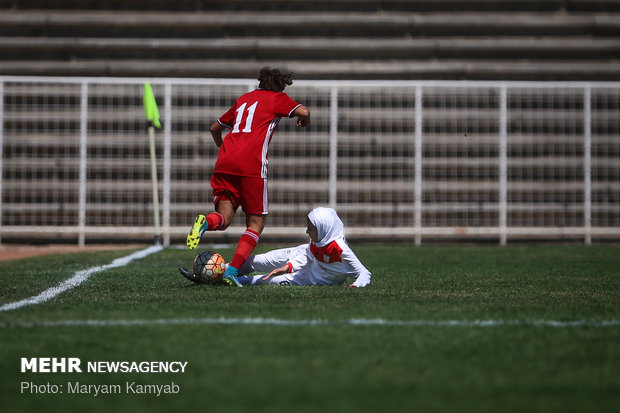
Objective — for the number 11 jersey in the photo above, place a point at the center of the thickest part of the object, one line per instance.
(252, 121)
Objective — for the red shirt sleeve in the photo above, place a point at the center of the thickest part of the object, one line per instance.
(283, 105)
(228, 118)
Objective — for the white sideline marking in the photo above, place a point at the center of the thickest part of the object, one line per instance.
(78, 278)
(317, 322)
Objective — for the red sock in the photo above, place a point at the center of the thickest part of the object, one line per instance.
(215, 220)
(246, 245)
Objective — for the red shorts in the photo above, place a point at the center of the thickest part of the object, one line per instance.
(246, 192)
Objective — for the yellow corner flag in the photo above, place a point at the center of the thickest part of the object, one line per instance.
(150, 106)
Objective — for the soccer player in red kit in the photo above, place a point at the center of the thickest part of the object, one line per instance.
(240, 176)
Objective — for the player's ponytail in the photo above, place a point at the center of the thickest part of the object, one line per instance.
(274, 80)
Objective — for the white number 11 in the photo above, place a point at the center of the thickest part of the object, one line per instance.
(248, 121)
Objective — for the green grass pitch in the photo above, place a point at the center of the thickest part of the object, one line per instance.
(440, 329)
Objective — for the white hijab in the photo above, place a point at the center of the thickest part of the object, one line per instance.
(328, 224)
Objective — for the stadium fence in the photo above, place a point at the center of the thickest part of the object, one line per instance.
(407, 160)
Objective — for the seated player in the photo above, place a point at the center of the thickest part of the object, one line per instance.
(325, 260)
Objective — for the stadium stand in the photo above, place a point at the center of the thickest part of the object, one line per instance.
(447, 159)
(322, 39)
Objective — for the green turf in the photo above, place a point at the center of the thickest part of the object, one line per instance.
(332, 366)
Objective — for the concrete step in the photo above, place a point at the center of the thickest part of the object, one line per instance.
(324, 69)
(326, 5)
(282, 24)
(318, 48)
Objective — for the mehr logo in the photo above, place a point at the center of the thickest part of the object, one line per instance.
(72, 365)
(51, 365)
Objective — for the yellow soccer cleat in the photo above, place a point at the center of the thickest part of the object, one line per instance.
(231, 280)
(193, 238)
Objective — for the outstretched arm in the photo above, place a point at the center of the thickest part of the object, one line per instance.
(286, 268)
(302, 114)
(363, 275)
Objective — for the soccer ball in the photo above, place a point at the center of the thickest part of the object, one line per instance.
(209, 267)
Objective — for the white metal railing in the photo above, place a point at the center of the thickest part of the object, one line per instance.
(397, 159)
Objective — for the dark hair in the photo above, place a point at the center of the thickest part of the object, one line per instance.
(274, 80)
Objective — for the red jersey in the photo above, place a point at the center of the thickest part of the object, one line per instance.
(252, 120)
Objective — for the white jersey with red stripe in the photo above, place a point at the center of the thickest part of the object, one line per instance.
(329, 265)
(328, 261)
(308, 269)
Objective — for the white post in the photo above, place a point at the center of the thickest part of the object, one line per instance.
(587, 164)
(1, 149)
(417, 185)
(333, 147)
(167, 160)
(83, 164)
(503, 163)
(155, 185)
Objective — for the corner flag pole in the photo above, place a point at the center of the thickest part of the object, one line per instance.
(152, 117)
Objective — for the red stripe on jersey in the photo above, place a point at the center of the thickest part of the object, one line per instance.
(327, 254)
